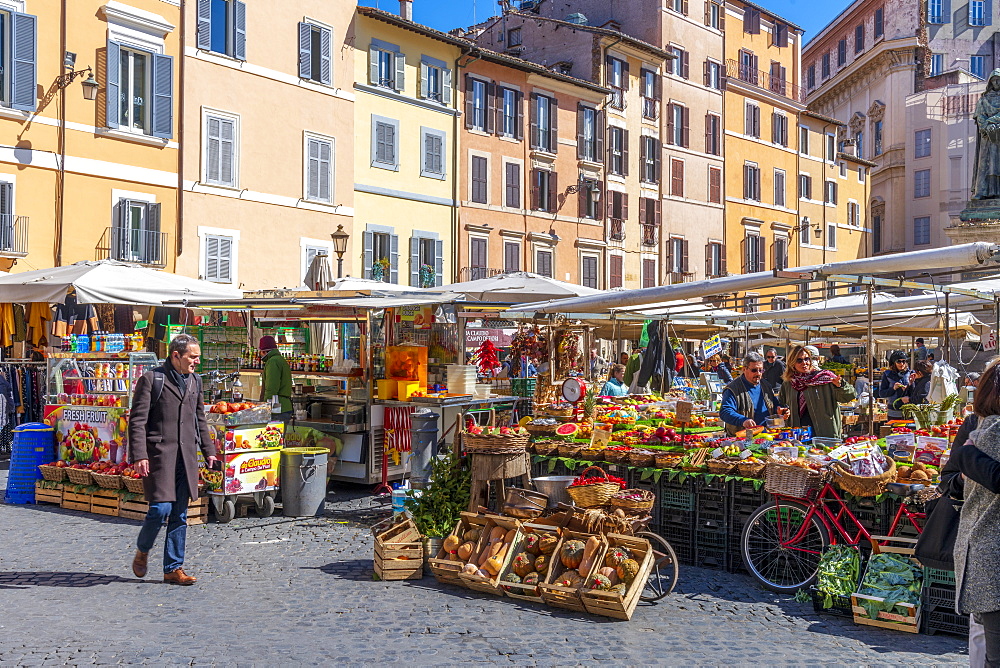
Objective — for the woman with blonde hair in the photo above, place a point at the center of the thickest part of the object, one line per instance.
(814, 395)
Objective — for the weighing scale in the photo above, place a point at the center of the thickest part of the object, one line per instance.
(574, 390)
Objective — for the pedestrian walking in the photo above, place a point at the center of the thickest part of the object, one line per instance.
(166, 429)
(774, 368)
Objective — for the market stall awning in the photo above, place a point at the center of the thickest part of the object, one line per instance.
(349, 286)
(519, 287)
(109, 282)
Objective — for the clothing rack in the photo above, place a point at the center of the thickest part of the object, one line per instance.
(22, 385)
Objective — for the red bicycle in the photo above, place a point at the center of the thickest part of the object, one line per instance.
(783, 540)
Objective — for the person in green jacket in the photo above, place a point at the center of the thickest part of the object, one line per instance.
(814, 395)
(276, 379)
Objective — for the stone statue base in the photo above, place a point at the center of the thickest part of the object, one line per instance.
(981, 211)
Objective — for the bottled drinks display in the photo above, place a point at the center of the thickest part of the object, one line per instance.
(254, 359)
(103, 342)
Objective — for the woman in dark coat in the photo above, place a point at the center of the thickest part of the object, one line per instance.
(920, 384)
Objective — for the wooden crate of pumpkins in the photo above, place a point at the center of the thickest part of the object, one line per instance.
(614, 588)
(458, 548)
(530, 565)
(493, 553)
(399, 552)
(573, 564)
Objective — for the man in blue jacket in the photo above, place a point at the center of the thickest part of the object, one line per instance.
(749, 399)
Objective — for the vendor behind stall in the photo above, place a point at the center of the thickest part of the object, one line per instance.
(814, 394)
(615, 386)
(276, 378)
(918, 387)
(749, 399)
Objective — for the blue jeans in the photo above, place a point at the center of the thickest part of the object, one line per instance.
(175, 514)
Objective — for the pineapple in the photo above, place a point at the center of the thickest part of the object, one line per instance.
(590, 402)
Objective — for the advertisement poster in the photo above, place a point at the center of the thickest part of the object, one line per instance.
(251, 437)
(419, 317)
(89, 433)
(245, 473)
(712, 346)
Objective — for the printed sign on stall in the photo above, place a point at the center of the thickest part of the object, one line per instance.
(88, 434)
(253, 437)
(712, 345)
(246, 472)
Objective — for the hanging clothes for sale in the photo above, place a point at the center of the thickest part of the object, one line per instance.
(38, 315)
(74, 318)
(6, 325)
(652, 359)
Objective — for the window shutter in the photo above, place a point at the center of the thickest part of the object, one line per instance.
(686, 128)
(113, 87)
(225, 259)
(625, 79)
(373, 66)
(204, 24)
(756, 121)
(446, 87)
(227, 153)
(326, 171)
(715, 185)
(670, 123)
(553, 192)
(643, 146)
(684, 263)
(535, 192)
(469, 102)
(415, 261)
(608, 70)
(643, 206)
(657, 159)
(423, 80)
(624, 134)
(438, 263)
(684, 7)
(668, 260)
(394, 259)
(599, 136)
(239, 30)
(761, 254)
(211, 256)
(23, 56)
(580, 138)
(325, 56)
(677, 178)
(399, 83)
(163, 96)
(624, 197)
(685, 61)
(704, 67)
(615, 278)
(305, 50)
(533, 116)
(657, 86)
(988, 12)
(312, 170)
(368, 242)
(489, 123)
(747, 187)
(744, 243)
(553, 125)
(519, 118)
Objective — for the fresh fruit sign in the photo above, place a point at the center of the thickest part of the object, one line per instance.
(86, 434)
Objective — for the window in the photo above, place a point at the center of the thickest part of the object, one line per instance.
(512, 185)
(386, 66)
(679, 65)
(543, 262)
(319, 169)
(780, 251)
(432, 159)
(221, 146)
(977, 66)
(140, 90)
(715, 259)
(477, 257)
(476, 116)
(922, 143)
(511, 256)
(934, 12)
(778, 78)
(648, 272)
(713, 134)
(859, 39)
(922, 183)
(877, 137)
(650, 94)
(135, 236)
(830, 195)
(713, 15)
(831, 235)
(977, 12)
(922, 230)
(616, 78)
(879, 25)
(677, 255)
(222, 27)
(859, 143)
(650, 159)
(751, 121)
(617, 213)
(616, 271)
(715, 185)
(310, 253)
(543, 190)
(713, 75)
(779, 187)
(381, 249)
(678, 132)
(511, 115)
(805, 186)
(937, 64)
(618, 151)
(803, 228)
(831, 148)
(751, 20)
(315, 53)
(589, 144)
(753, 253)
(861, 175)
(811, 77)
(514, 37)
(751, 182)
(804, 141)
(854, 214)
(876, 234)
(649, 219)
(842, 52)
(590, 197)
(435, 80)
(843, 169)
(385, 143)
(480, 179)
(426, 261)
(217, 252)
(748, 67)
(679, 6)
(779, 36)
(676, 177)
(779, 129)
(543, 123)
(588, 271)
(18, 76)
(825, 65)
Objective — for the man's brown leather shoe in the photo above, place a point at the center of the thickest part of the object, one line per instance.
(179, 577)
(139, 563)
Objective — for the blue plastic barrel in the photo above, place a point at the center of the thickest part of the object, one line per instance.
(34, 444)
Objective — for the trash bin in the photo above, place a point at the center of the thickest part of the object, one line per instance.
(303, 481)
(423, 437)
(33, 445)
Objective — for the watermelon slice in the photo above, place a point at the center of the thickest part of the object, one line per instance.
(567, 429)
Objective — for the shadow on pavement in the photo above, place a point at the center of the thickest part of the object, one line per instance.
(25, 579)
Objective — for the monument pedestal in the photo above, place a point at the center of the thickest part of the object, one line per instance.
(978, 221)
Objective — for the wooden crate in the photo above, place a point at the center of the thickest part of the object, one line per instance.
(910, 622)
(399, 552)
(51, 494)
(75, 501)
(136, 510)
(512, 528)
(105, 502)
(612, 604)
(522, 591)
(569, 598)
(446, 570)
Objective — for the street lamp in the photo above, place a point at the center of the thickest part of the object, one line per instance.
(90, 85)
(340, 247)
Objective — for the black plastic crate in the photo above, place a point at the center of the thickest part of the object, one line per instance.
(736, 564)
(933, 576)
(938, 596)
(651, 487)
(712, 540)
(942, 620)
(745, 489)
(706, 558)
(841, 607)
(676, 495)
(715, 484)
(680, 519)
(713, 521)
(712, 503)
(682, 540)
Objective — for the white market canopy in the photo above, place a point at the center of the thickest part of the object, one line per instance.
(519, 287)
(108, 282)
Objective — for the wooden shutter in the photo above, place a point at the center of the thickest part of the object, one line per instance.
(519, 116)
(599, 136)
(616, 263)
(498, 110)
(625, 78)
(415, 261)
(686, 128)
(643, 146)
(163, 96)
(533, 117)
(624, 206)
(490, 115)
(535, 192)
(469, 102)
(373, 73)
(657, 158)
(239, 30)
(657, 211)
(113, 85)
(643, 210)
(686, 258)
(399, 81)
(705, 71)
(761, 255)
(581, 154)
(624, 136)
(553, 125)
(511, 256)
(744, 244)
(756, 121)
(684, 7)
(722, 260)
(204, 31)
(513, 185)
(781, 35)
(670, 123)
(608, 70)
(685, 62)
(23, 56)
(394, 258)
(446, 87)
(715, 185)
(553, 192)
(676, 178)
(305, 50)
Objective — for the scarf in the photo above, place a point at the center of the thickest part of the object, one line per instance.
(177, 378)
(801, 381)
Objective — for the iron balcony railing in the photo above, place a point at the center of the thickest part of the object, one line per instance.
(616, 229)
(681, 277)
(764, 80)
(617, 98)
(476, 273)
(650, 234)
(146, 247)
(13, 235)
(650, 108)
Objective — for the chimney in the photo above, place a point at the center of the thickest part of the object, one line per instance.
(406, 9)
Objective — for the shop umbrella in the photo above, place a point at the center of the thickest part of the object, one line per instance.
(319, 277)
(520, 287)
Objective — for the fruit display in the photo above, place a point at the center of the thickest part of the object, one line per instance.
(514, 430)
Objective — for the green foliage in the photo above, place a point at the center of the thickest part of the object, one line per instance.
(839, 568)
(892, 578)
(436, 511)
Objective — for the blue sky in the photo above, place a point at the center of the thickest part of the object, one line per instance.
(447, 14)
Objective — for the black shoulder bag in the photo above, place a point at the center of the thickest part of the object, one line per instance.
(936, 544)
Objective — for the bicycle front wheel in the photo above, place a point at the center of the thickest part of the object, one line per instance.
(781, 548)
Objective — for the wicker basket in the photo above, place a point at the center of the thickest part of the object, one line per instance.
(597, 494)
(633, 505)
(667, 460)
(107, 481)
(494, 444)
(616, 456)
(751, 469)
(79, 476)
(541, 429)
(53, 473)
(793, 481)
(569, 449)
(547, 448)
(592, 454)
(721, 466)
(134, 485)
(862, 485)
(641, 458)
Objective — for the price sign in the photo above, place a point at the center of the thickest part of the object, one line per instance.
(682, 413)
(745, 454)
(717, 453)
(600, 438)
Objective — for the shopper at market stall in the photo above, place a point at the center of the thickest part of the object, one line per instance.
(774, 368)
(920, 352)
(276, 378)
(717, 366)
(749, 399)
(835, 355)
(919, 384)
(166, 429)
(814, 395)
(895, 380)
(615, 385)
(679, 362)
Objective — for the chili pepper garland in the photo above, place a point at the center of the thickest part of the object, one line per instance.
(486, 358)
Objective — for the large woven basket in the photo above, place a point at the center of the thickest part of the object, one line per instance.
(79, 476)
(598, 494)
(107, 481)
(541, 429)
(616, 456)
(53, 473)
(546, 448)
(592, 454)
(569, 449)
(494, 444)
(750, 469)
(633, 505)
(721, 466)
(667, 460)
(641, 458)
(134, 485)
(862, 485)
(793, 481)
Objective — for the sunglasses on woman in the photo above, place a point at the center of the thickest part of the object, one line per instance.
(803, 360)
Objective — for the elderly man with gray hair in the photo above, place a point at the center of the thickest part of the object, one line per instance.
(749, 399)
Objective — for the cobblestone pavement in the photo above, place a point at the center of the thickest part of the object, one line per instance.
(282, 591)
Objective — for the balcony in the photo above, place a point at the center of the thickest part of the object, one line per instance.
(763, 80)
(650, 108)
(145, 247)
(617, 98)
(680, 277)
(650, 234)
(13, 235)
(616, 229)
(476, 273)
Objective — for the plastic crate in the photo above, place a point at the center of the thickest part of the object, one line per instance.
(710, 520)
(745, 489)
(939, 620)
(711, 540)
(678, 496)
(682, 540)
(706, 558)
(933, 576)
(938, 596)
(522, 387)
(841, 604)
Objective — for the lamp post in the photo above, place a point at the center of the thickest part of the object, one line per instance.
(61, 83)
(340, 247)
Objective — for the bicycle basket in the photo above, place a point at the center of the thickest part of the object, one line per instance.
(862, 485)
(794, 481)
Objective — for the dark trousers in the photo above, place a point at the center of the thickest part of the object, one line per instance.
(991, 625)
(175, 514)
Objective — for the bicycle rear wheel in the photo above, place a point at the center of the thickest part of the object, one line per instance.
(779, 564)
(666, 568)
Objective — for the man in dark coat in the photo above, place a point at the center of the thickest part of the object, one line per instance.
(166, 428)
(774, 368)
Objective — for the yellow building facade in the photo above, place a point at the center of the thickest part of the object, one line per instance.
(85, 179)
(406, 127)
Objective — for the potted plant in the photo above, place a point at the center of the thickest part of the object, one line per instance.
(435, 510)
